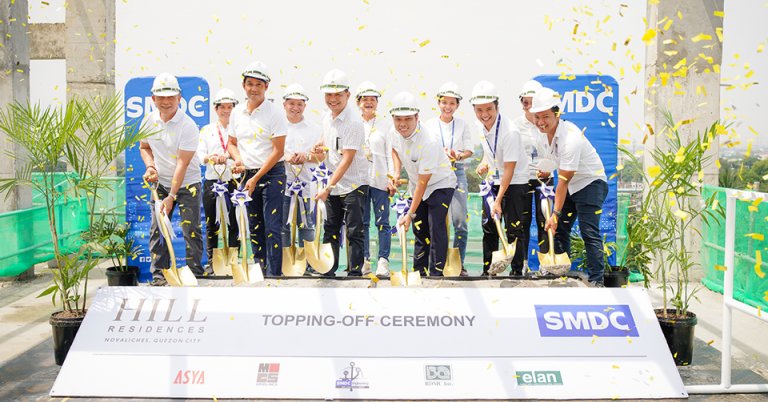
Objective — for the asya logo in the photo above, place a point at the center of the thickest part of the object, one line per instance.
(585, 320)
(268, 373)
(438, 375)
(532, 378)
(352, 378)
(191, 377)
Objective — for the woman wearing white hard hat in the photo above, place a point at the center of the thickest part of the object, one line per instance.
(256, 143)
(455, 136)
(302, 135)
(582, 185)
(347, 188)
(170, 156)
(378, 152)
(530, 135)
(504, 156)
(212, 152)
(431, 184)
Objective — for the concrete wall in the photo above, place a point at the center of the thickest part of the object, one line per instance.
(90, 56)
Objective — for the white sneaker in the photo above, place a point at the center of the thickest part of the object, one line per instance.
(382, 268)
(366, 268)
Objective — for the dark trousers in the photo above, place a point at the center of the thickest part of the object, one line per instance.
(211, 228)
(533, 196)
(512, 207)
(188, 203)
(583, 204)
(347, 208)
(265, 218)
(431, 233)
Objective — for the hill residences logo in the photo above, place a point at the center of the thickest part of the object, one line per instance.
(438, 376)
(268, 374)
(352, 378)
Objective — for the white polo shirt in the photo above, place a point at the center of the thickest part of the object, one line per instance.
(178, 134)
(346, 131)
(379, 144)
(213, 139)
(455, 135)
(508, 148)
(571, 151)
(422, 153)
(530, 134)
(301, 137)
(255, 131)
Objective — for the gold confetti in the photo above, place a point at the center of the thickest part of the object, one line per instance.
(721, 268)
(425, 43)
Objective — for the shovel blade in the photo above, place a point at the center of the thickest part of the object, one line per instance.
(324, 262)
(413, 279)
(171, 277)
(186, 277)
(251, 274)
(546, 259)
(221, 262)
(396, 278)
(453, 263)
(294, 264)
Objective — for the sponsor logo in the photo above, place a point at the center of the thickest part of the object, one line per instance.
(538, 378)
(575, 102)
(585, 320)
(438, 375)
(268, 373)
(352, 378)
(190, 377)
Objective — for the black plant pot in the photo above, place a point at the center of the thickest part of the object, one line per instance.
(129, 277)
(64, 331)
(618, 277)
(679, 335)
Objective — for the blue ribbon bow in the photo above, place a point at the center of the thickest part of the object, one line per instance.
(486, 191)
(401, 206)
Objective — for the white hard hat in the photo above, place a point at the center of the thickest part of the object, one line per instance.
(335, 81)
(529, 88)
(544, 99)
(295, 91)
(257, 70)
(450, 89)
(404, 104)
(225, 96)
(484, 92)
(367, 88)
(165, 84)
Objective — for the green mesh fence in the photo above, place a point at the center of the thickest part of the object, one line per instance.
(748, 287)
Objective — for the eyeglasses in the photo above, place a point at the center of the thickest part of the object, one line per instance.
(526, 103)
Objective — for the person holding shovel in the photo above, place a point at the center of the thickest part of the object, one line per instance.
(582, 185)
(431, 184)
(170, 156)
(212, 152)
(505, 157)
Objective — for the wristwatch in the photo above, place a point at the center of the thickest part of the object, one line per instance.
(413, 216)
(557, 213)
(173, 196)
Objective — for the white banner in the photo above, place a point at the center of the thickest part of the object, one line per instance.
(370, 344)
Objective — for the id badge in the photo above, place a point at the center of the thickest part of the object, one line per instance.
(496, 175)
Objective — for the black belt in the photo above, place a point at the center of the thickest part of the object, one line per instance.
(254, 171)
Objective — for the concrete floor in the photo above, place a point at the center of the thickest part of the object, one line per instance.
(26, 353)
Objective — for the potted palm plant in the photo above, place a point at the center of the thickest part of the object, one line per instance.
(121, 250)
(614, 276)
(672, 202)
(83, 134)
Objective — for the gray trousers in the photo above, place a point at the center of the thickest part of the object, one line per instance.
(188, 202)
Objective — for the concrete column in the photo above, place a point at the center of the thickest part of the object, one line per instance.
(697, 18)
(14, 86)
(90, 47)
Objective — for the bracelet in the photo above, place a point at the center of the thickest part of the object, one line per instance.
(150, 166)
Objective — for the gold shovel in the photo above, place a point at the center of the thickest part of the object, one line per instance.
(319, 255)
(453, 261)
(500, 259)
(224, 257)
(294, 258)
(175, 276)
(245, 272)
(557, 264)
(404, 277)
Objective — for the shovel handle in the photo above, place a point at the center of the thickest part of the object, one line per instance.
(502, 235)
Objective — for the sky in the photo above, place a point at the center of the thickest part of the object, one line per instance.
(411, 46)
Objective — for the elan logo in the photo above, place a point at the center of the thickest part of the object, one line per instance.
(531, 378)
(585, 321)
(190, 377)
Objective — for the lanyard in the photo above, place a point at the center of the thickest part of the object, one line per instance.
(221, 138)
(440, 124)
(496, 141)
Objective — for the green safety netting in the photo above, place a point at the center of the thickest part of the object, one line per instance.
(748, 287)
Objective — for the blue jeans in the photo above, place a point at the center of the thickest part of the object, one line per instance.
(305, 232)
(380, 200)
(583, 204)
(459, 212)
(265, 215)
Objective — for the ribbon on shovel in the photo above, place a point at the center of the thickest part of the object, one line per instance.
(486, 191)
(296, 192)
(220, 189)
(160, 215)
(321, 175)
(401, 206)
(240, 199)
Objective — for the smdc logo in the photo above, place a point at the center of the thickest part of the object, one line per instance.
(585, 321)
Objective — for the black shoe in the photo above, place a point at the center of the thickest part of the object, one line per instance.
(158, 281)
(463, 272)
(597, 284)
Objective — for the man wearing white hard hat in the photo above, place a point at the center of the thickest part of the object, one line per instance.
(347, 190)
(256, 143)
(530, 135)
(582, 185)
(455, 136)
(378, 152)
(431, 184)
(302, 135)
(504, 156)
(212, 152)
(171, 158)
